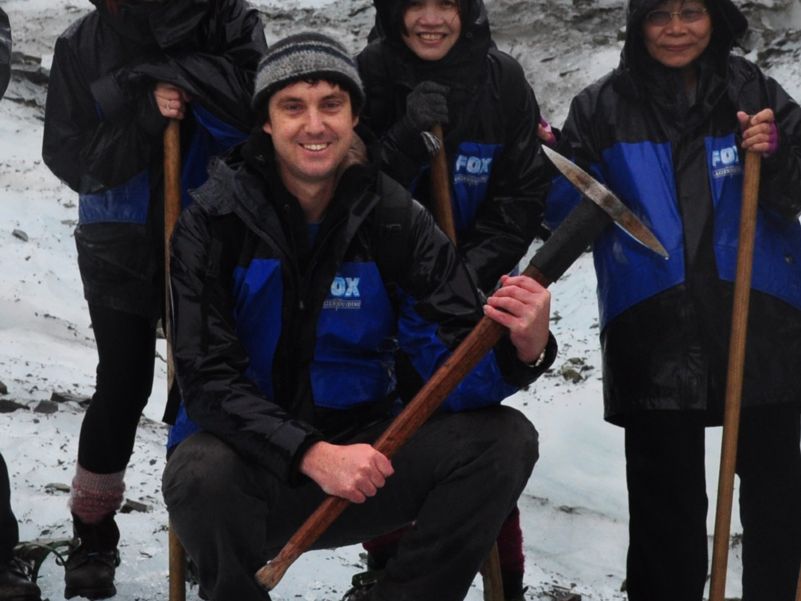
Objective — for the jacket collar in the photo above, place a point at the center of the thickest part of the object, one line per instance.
(247, 183)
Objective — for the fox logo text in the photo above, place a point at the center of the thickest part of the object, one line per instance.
(473, 165)
(725, 161)
(344, 294)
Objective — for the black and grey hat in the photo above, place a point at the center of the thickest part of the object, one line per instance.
(306, 56)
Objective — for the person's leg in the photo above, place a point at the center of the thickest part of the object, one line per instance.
(510, 553)
(512, 559)
(464, 472)
(458, 477)
(126, 352)
(9, 531)
(15, 575)
(667, 556)
(769, 466)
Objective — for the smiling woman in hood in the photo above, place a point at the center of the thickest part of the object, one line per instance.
(434, 62)
(668, 131)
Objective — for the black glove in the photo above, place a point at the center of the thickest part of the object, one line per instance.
(426, 105)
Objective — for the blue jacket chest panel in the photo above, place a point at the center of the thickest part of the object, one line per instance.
(472, 168)
(482, 387)
(641, 174)
(354, 357)
(130, 202)
(777, 248)
(258, 292)
(126, 203)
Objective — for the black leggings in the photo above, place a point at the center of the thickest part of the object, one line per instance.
(126, 356)
(667, 558)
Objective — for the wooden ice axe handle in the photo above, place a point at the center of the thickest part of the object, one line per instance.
(734, 381)
(441, 189)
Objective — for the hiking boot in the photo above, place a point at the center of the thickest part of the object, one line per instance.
(362, 583)
(89, 569)
(16, 582)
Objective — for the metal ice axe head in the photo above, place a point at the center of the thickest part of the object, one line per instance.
(585, 223)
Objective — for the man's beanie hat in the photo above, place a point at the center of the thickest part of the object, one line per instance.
(306, 56)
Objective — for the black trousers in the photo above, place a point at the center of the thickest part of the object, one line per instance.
(126, 345)
(9, 531)
(457, 478)
(667, 557)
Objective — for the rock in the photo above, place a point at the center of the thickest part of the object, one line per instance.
(46, 407)
(56, 487)
(9, 406)
(20, 235)
(68, 397)
(130, 506)
(3, 388)
(570, 374)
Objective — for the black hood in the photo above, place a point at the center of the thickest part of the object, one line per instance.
(729, 27)
(465, 63)
(389, 16)
(166, 24)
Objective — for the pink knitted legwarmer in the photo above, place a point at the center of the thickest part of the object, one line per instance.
(94, 496)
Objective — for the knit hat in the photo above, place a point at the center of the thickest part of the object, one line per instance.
(306, 56)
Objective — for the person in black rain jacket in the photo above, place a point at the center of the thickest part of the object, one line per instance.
(296, 275)
(118, 75)
(15, 574)
(668, 131)
(434, 61)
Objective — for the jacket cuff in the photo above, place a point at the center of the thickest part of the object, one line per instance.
(408, 140)
(294, 475)
(149, 117)
(520, 374)
(111, 99)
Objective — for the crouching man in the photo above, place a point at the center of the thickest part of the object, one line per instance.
(297, 273)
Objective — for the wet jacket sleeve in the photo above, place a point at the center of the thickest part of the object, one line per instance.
(84, 147)
(220, 75)
(780, 187)
(211, 362)
(5, 52)
(102, 130)
(402, 151)
(509, 218)
(439, 306)
(578, 142)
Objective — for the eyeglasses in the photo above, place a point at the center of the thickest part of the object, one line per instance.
(661, 18)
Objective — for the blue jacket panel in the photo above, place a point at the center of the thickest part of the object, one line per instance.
(641, 174)
(130, 202)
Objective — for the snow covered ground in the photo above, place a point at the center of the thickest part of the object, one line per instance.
(574, 507)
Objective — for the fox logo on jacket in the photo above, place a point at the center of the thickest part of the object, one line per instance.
(344, 294)
(726, 161)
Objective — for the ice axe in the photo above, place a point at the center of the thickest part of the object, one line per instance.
(563, 247)
(172, 208)
(734, 381)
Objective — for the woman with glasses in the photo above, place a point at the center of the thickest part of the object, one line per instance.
(668, 131)
(118, 75)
